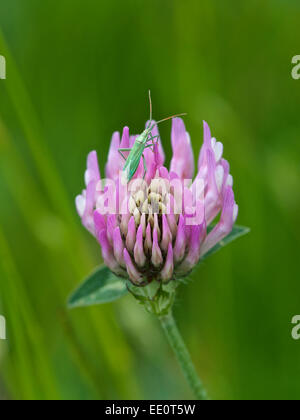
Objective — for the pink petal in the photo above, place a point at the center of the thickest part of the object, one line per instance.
(196, 214)
(183, 158)
(156, 258)
(131, 235)
(213, 196)
(139, 254)
(164, 173)
(80, 202)
(166, 234)
(172, 224)
(118, 246)
(159, 154)
(180, 244)
(124, 223)
(167, 272)
(92, 173)
(111, 224)
(205, 147)
(143, 224)
(99, 221)
(197, 235)
(133, 273)
(228, 180)
(88, 216)
(107, 252)
(125, 141)
(125, 144)
(217, 149)
(156, 226)
(175, 203)
(219, 176)
(114, 163)
(196, 240)
(148, 240)
(225, 225)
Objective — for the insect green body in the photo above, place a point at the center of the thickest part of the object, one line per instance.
(137, 152)
(143, 141)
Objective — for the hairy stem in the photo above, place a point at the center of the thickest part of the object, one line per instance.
(169, 325)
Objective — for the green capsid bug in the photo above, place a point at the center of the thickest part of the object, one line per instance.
(143, 141)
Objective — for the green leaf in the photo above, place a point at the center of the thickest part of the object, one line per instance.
(236, 233)
(102, 286)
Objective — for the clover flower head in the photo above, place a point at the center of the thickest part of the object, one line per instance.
(157, 227)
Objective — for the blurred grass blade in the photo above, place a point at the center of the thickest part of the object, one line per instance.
(102, 286)
(42, 157)
(26, 338)
(114, 346)
(33, 134)
(236, 233)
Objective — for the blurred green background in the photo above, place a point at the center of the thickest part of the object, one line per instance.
(76, 72)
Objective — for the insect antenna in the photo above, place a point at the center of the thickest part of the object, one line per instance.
(168, 118)
(150, 102)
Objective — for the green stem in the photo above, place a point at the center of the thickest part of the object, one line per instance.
(169, 325)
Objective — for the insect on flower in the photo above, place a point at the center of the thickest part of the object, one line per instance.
(144, 141)
(152, 246)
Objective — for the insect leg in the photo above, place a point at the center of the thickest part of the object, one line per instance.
(124, 150)
(152, 145)
(145, 166)
(152, 138)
